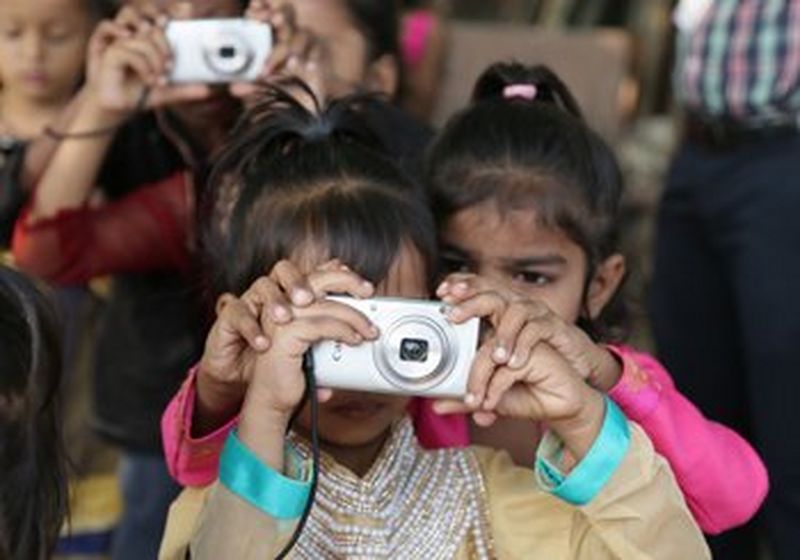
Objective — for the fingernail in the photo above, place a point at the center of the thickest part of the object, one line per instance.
(261, 342)
(302, 297)
(442, 289)
(373, 331)
(515, 361)
(357, 338)
(470, 399)
(455, 313)
(500, 354)
(461, 287)
(367, 285)
(280, 312)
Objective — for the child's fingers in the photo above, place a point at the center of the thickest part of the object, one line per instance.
(156, 62)
(266, 294)
(480, 374)
(159, 40)
(483, 418)
(451, 406)
(133, 60)
(314, 329)
(536, 331)
(519, 314)
(343, 313)
(237, 320)
(340, 281)
(456, 285)
(489, 305)
(284, 27)
(324, 395)
(503, 379)
(181, 10)
(293, 282)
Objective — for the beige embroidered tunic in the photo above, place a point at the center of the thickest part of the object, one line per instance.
(449, 504)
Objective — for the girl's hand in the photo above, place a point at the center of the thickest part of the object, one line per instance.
(545, 387)
(131, 58)
(530, 321)
(296, 52)
(240, 333)
(277, 383)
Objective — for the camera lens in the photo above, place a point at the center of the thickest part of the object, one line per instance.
(413, 350)
(227, 52)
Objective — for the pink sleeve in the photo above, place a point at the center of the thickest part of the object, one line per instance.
(721, 476)
(435, 431)
(194, 461)
(191, 461)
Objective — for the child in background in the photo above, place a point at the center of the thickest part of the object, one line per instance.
(307, 187)
(42, 52)
(488, 195)
(33, 488)
(528, 198)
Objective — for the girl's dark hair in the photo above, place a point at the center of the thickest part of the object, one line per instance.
(33, 495)
(294, 180)
(379, 21)
(538, 153)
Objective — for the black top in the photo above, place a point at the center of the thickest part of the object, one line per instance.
(12, 196)
(151, 330)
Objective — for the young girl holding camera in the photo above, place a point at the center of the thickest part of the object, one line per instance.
(309, 188)
(533, 209)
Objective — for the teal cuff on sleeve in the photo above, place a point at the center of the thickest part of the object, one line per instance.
(596, 468)
(241, 472)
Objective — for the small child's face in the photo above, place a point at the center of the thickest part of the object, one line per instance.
(514, 248)
(43, 47)
(354, 419)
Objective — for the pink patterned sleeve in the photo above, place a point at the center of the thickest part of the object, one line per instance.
(191, 461)
(721, 476)
(195, 461)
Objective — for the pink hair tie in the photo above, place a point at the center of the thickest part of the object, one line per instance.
(525, 91)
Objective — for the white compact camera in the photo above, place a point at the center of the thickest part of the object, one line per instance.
(419, 352)
(218, 50)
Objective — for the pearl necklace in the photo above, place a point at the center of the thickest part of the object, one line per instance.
(411, 504)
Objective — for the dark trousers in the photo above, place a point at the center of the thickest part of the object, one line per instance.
(726, 310)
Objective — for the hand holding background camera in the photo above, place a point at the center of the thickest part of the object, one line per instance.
(296, 52)
(131, 61)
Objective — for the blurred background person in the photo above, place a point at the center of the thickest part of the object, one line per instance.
(42, 52)
(148, 168)
(725, 318)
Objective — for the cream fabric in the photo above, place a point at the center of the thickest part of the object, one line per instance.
(640, 514)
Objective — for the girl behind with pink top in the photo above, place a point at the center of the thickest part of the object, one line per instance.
(528, 204)
(527, 199)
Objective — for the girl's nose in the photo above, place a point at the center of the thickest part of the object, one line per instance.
(33, 47)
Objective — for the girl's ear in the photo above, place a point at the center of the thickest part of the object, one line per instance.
(605, 283)
(383, 76)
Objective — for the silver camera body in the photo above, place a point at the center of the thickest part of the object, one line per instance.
(419, 352)
(218, 50)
